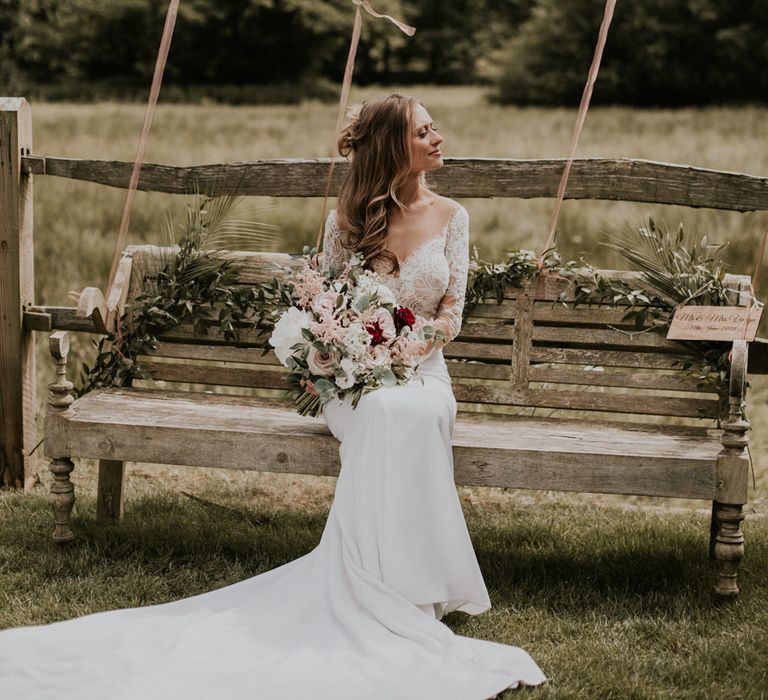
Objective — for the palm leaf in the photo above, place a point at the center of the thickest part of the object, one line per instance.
(676, 265)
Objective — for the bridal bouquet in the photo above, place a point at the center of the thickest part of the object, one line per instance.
(346, 335)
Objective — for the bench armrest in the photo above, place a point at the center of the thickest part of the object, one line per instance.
(60, 389)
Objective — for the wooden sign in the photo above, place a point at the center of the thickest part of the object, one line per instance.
(715, 323)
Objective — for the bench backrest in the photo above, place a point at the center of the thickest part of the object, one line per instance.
(528, 353)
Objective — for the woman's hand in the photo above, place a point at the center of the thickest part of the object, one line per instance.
(441, 325)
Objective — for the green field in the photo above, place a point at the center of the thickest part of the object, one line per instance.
(611, 595)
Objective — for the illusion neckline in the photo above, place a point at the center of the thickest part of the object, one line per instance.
(430, 239)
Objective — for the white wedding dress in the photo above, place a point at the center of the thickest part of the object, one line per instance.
(357, 617)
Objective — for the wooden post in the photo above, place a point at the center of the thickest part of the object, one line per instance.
(17, 358)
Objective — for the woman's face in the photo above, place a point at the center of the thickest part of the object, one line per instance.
(425, 142)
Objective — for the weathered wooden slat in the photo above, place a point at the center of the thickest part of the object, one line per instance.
(491, 309)
(185, 334)
(248, 377)
(485, 352)
(513, 451)
(608, 338)
(62, 318)
(478, 370)
(556, 314)
(593, 178)
(670, 382)
(214, 353)
(210, 375)
(609, 402)
(504, 332)
(605, 358)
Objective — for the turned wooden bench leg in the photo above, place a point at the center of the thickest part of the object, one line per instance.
(62, 495)
(728, 546)
(109, 503)
(61, 498)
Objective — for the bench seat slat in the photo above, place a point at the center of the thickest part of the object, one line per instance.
(248, 433)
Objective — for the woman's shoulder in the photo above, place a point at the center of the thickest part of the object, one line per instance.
(451, 210)
(447, 205)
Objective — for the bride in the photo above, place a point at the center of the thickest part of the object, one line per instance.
(358, 616)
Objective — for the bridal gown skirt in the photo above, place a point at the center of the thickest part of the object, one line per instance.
(355, 618)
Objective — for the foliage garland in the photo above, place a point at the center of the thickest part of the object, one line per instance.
(199, 286)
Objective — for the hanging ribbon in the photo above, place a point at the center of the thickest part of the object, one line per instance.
(583, 108)
(345, 88)
(154, 92)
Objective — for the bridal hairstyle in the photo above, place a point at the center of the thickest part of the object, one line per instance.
(378, 139)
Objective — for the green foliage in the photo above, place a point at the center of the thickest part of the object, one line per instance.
(676, 268)
(244, 42)
(196, 286)
(659, 52)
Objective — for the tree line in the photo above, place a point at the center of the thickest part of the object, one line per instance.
(530, 51)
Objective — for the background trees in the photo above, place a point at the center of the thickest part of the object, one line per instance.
(534, 51)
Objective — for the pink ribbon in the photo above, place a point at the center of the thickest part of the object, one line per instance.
(583, 108)
(154, 92)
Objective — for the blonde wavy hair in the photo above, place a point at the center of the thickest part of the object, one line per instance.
(377, 138)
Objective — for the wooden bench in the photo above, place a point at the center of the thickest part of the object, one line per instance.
(549, 397)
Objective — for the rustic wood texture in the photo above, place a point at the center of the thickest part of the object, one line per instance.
(230, 431)
(495, 346)
(65, 318)
(595, 178)
(610, 402)
(728, 547)
(110, 506)
(62, 493)
(17, 358)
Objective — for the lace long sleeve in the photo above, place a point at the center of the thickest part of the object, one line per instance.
(335, 255)
(451, 306)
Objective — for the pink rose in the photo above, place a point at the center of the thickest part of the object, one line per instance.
(379, 356)
(324, 304)
(321, 363)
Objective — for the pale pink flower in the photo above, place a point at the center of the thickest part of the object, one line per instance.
(386, 323)
(324, 304)
(321, 363)
(378, 356)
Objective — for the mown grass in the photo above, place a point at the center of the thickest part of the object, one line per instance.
(613, 600)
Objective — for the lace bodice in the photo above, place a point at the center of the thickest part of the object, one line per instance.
(433, 278)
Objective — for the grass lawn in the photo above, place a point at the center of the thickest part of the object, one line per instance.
(611, 595)
(613, 602)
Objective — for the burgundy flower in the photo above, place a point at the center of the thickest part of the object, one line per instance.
(404, 317)
(376, 332)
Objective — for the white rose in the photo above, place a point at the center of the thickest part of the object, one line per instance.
(348, 366)
(287, 332)
(346, 381)
(321, 363)
(385, 294)
(366, 284)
